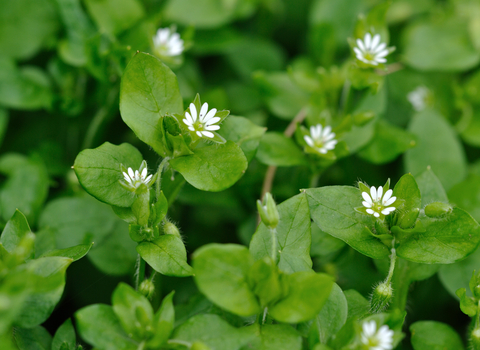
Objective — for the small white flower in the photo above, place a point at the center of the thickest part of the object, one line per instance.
(371, 51)
(321, 139)
(376, 340)
(204, 124)
(378, 203)
(167, 43)
(418, 98)
(135, 179)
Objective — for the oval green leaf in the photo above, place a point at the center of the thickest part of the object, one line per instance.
(212, 168)
(167, 255)
(98, 171)
(332, 209)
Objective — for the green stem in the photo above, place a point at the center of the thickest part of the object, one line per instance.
(140, 272)
(393, 259)
(344, 98)
(273, 232)
(401, 284)
(265, 312)
(161, 167)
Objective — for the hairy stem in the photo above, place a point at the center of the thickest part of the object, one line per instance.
(140, 271)
(401, 284)
(273, 232)
(161, 168)
(393, 259)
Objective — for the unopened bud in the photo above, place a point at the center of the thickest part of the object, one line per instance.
(381, 296)
(147, 288)
(475, 339)
(409, 218)
(437, 209)
(171, 229)
(268, 211)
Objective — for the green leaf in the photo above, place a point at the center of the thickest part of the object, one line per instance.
(465, 195)
(430, 187)
(212, 168)
(441, 45)
(293, 236)
(17, 227)
(278, 150)
(149, 90)
(273, 337)
(467, 304)
(332, 209)
(221, 274)
(332, 316)
(133, 311)
(36, 338)
(406, 189)
(45, 294)
(432, 335)
(26, 27)
(163, 322)
(26, 188)
(98, 171)
(282, 96)
(167, 255)
(264, 277)
(72, 50)
(27, 87)
(387, 144)
(114, 16)
(244, 133)
(3, 123)
(213, 331)
(307, 292)
(65, 335)
(74, 253)
(98, 326)
(458, 275)
(85, 220)
(358, 306)
(444, 240)
(438, 147)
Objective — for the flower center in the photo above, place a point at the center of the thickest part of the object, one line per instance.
(369, 56)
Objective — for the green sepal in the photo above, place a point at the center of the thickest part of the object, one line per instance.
(408, 219)
(467, 304)
(141, 208)
(136, 233)
(381, 228)
(176, 142)
(363, 187)
(159, 209)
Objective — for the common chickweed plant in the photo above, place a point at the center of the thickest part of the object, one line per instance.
(233, 175)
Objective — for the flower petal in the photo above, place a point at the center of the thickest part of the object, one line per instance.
(366, 204)
(379, 48)
(379, 193)
(208, 134)
(193, 112)
(309, 141)
(131, 173)
(203, 112)
(367, 197)
(368, 41)
(370, 211)
(373, 193)
(212, 127)
(375, 41)
(360, 45)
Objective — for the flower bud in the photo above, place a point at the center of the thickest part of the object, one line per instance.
(475, 339)
(409, 218)
(268, 211)
(147, 288)
(437, 209)
(381, 296)
(171, 229)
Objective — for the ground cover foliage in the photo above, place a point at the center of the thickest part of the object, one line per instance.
(230, 174)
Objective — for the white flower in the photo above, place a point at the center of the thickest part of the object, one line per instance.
(321, 140)
(167, 43)
(371, 51)
(376, 340)
(135, 179)
(204, 125)
(418, 98)
(378, 203)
